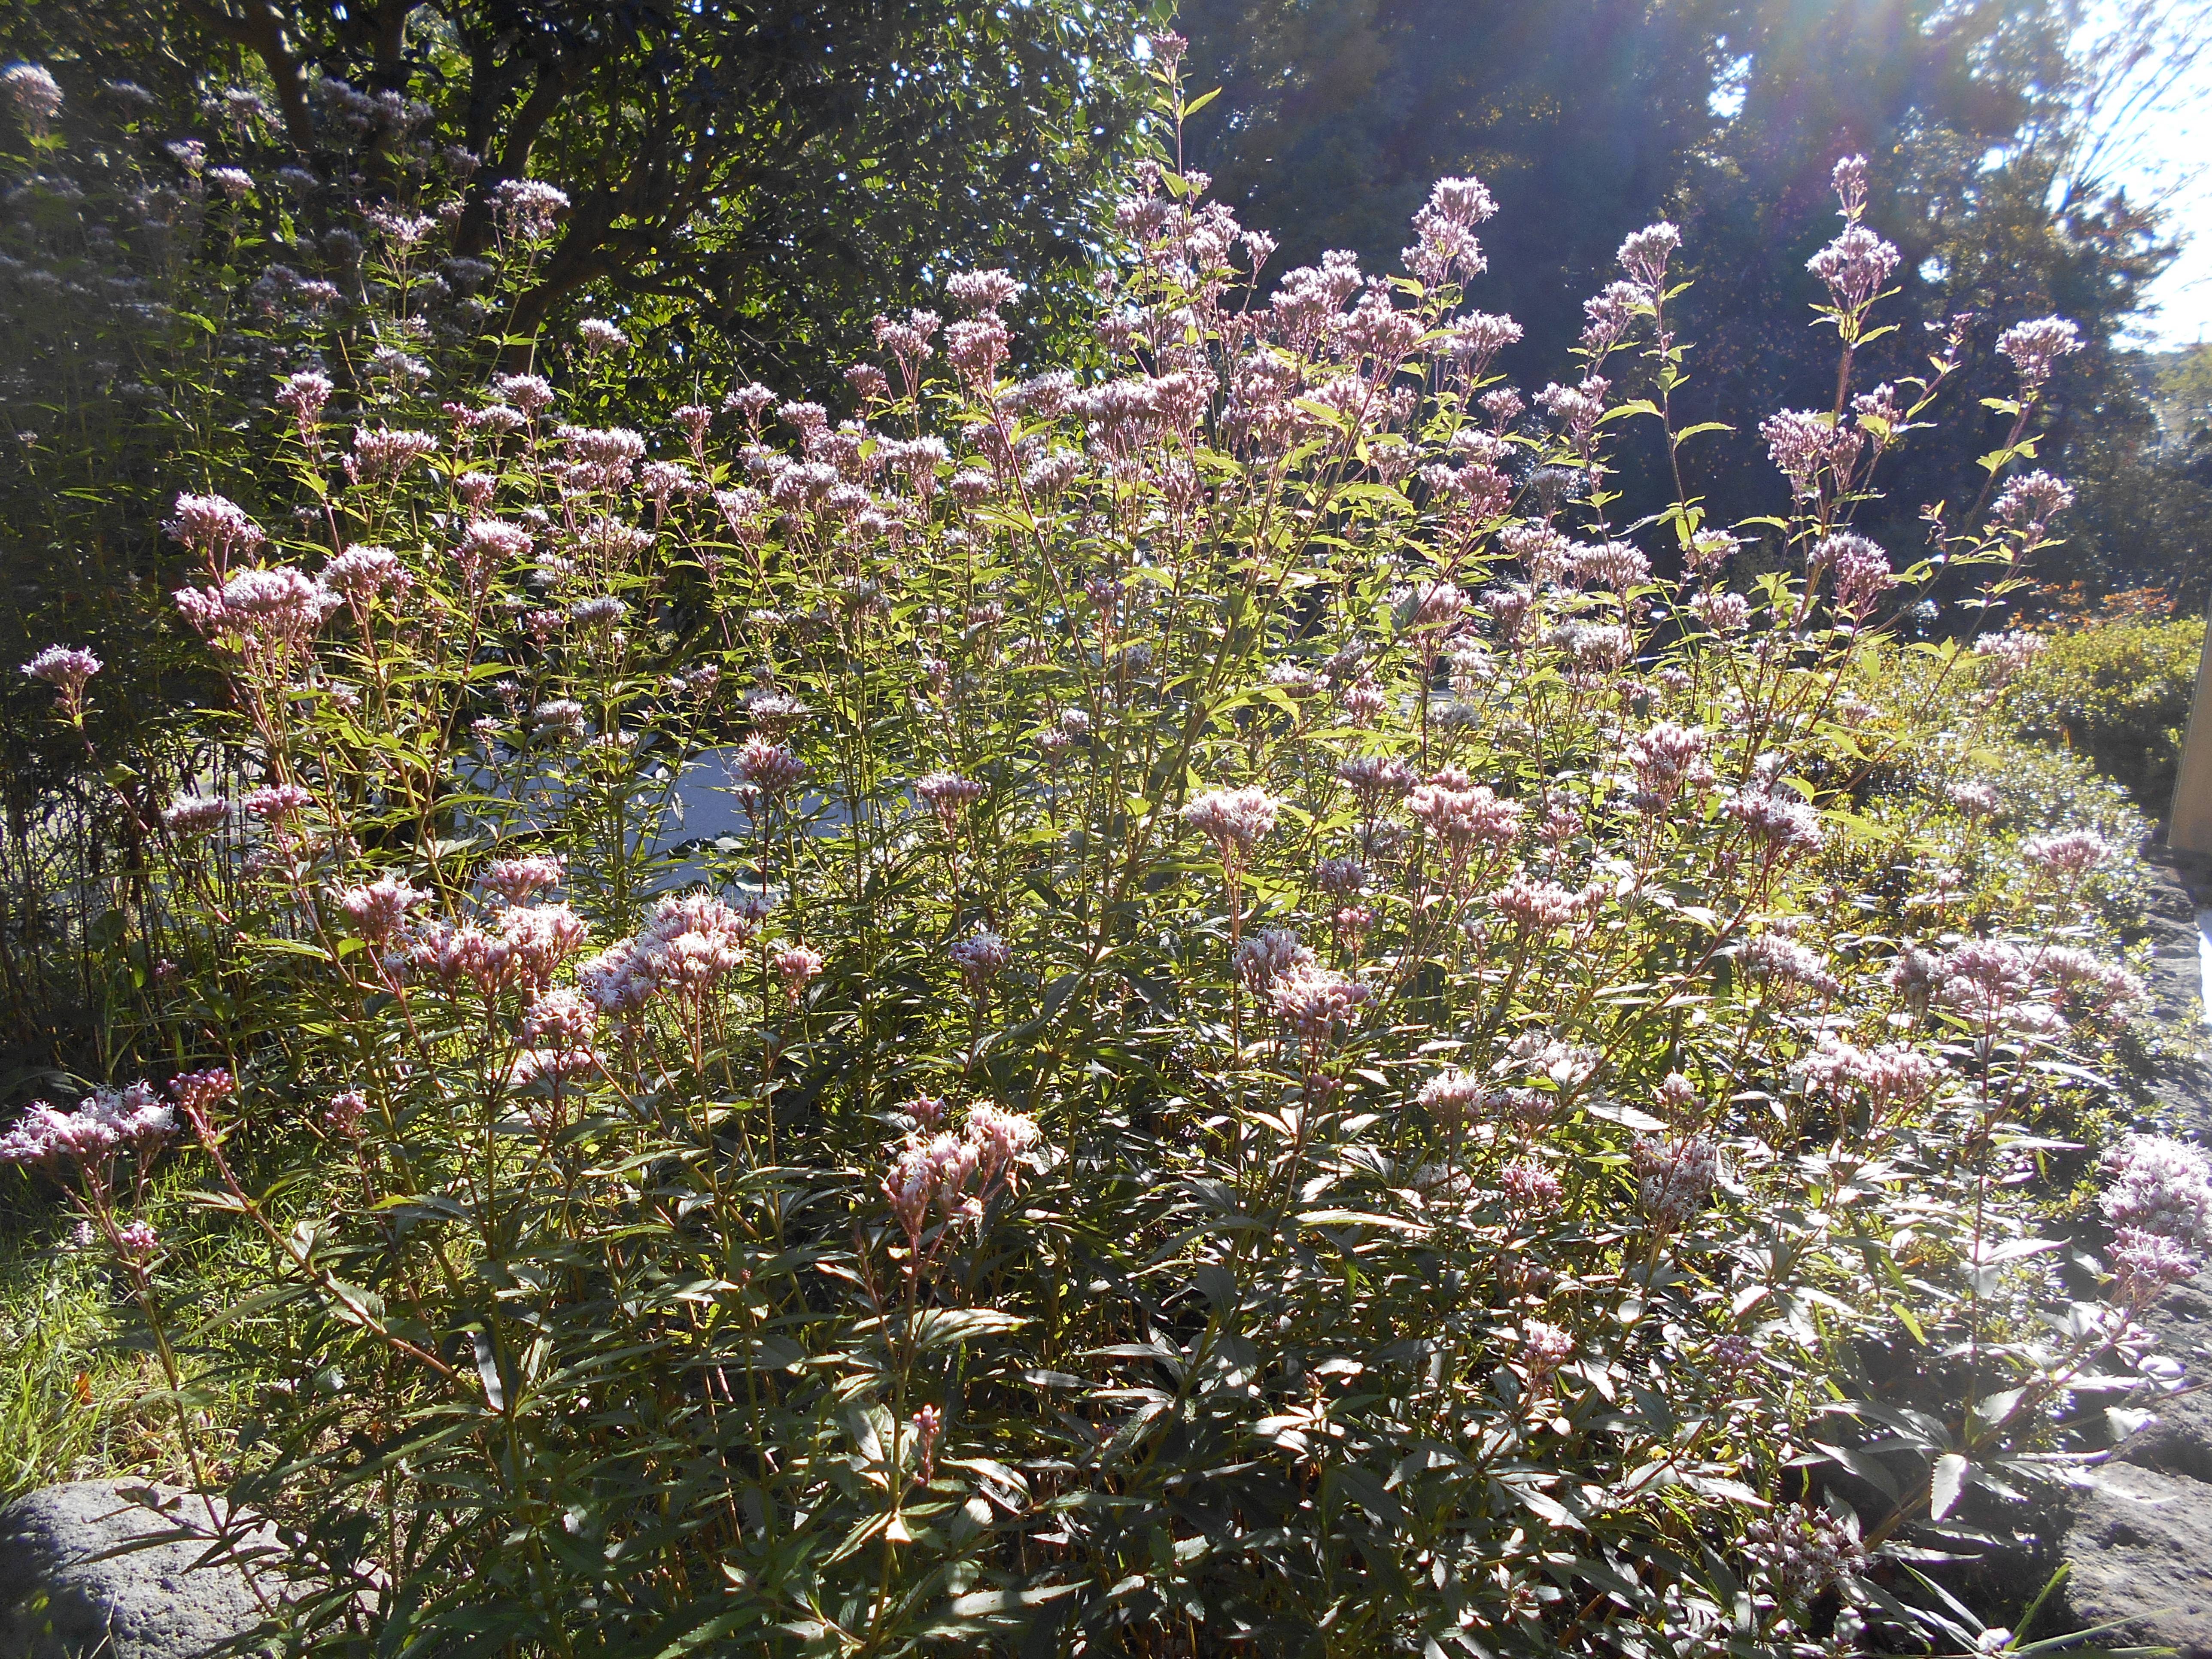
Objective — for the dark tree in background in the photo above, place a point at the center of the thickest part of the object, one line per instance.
(1968, 115)
(1588, 119)
(773, 172)
(1335, 117)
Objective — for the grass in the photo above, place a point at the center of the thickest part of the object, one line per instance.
(80, 1393)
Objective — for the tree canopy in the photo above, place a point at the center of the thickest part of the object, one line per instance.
(774, 172)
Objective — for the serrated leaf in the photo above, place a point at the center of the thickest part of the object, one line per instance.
(1946, 1483)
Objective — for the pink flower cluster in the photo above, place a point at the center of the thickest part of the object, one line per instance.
(64, 668)
(797, 966)
(1804, 445)
(2159, 1205)
(1802, 1550)
(1454, 1096)
(215, 527)
(1891, 1075)
(1855, 266)
(1593, 650)
(105, 1122)
(2084, 978)
(1665, 757)
(1720, 610)
(1444, 248)
(382, 455)
(1544, 1347)
(362, 572)
(2036, 347)
(562, 1024)
(955, 1176)
(518, 880)
(379, 908)
(1267, 956)
(690, 943)
(196, 815)
(2030, 501)
(1529, 1186)
(600, 457)
(33, 90)
(1676, 1176)
(521, 949)
(1541, 906)
(981, 957)
(2160, 1185)
(306, 394)
(948, 792)
(273, 609)
(1376, 778)
(2005, 655)
(1859, 569)
(344, 1112)
(1781, 961)
(529, 208)
(489, 545)
(1233, 819)
(273, 803)
(1989, 981)
(1615, 567)
(1976, 798)
(1779, 817)
(770, 767)
(1313, 1000)
(2073, 854)
(1462, 815)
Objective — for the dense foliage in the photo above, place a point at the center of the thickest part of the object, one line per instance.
(1282, 1046)
(2118, 692)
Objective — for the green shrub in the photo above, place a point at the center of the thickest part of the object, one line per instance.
(2116, 691)
(1290, 1051)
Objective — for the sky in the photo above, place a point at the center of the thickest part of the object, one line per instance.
(2165, 150)
(2184, 294)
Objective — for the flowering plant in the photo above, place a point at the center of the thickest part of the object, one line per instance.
(1278, 1048)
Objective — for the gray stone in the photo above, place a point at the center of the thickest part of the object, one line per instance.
(2141, 1548)
(2140, 1543)
(60, 1600)
(2173, 974)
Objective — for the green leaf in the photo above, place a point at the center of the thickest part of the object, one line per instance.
(1945, 1484)
(1861, 1463)
(1359, 1219)
(1993, 1411)
(1367, 1489)
(858, 1536)
(722, 1625)
(936, 1328)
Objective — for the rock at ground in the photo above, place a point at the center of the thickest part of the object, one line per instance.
(2141, 1542)
(2174, 977)
(2140, 1546)
(2174, 974)
(60, 1599)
